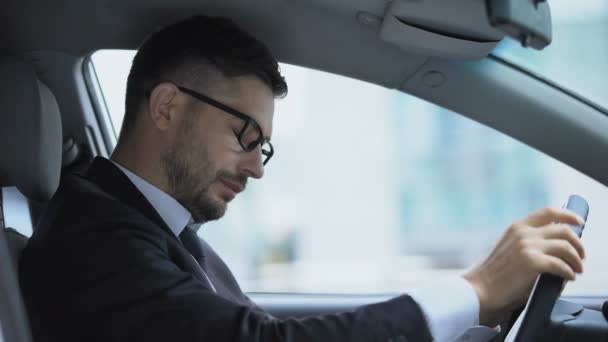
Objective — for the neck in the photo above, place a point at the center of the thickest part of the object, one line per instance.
(137, 158)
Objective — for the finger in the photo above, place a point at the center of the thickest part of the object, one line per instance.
(545, 216)
(565, 251)
(554, 265)
(560, 231)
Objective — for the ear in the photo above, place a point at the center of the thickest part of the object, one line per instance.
(162, 103)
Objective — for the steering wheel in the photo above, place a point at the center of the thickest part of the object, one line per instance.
(546, 290)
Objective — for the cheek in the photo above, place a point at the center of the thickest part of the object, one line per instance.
(221, 154)
(225, 142)
(218, 148)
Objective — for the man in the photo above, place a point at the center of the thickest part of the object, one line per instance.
(116, 258)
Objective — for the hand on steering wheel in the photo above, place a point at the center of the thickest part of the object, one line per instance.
(543, 242)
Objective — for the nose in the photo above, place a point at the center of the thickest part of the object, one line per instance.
(252, 164)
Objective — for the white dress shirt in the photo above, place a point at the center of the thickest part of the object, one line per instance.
(451, 308)
(170, 210)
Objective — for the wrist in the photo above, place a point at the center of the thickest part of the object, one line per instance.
(489, 314)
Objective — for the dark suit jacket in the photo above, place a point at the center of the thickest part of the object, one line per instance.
(103, 266)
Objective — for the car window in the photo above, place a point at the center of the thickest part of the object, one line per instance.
(373, 191)
(578, 56)
(16, 210)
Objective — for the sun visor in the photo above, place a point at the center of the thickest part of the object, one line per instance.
(449, 29)
(523, 20)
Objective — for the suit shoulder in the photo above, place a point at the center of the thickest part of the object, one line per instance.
(80, 207)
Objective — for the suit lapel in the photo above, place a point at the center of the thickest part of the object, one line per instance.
(112, 180)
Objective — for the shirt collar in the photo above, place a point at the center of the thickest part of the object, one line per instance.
(170, 210)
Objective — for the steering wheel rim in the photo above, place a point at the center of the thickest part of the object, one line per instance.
(547, 288)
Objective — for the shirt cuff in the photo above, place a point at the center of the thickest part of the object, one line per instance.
(451, 310)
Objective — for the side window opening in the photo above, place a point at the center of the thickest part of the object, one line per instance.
(427, 191)
(16, 211)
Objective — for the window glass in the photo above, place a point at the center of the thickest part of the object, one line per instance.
(577, 58)
(16, 210)
(372, 191)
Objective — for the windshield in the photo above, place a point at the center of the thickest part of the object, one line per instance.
(577, 59)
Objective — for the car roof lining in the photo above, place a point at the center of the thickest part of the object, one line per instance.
(349, 44)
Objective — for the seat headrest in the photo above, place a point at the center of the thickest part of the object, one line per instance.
(30, 132)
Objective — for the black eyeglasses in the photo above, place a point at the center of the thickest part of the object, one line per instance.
(250, 136)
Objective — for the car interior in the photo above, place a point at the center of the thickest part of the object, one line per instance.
(54, 121)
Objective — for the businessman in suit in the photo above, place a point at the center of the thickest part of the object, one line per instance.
(116, 257)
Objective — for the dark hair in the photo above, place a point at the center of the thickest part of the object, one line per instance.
(193, 49)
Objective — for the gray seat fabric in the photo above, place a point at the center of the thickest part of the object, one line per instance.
(15, 326)
(30, 132)
(15, 242)
(30, 159)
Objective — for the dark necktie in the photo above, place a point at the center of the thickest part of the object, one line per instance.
(193, 244)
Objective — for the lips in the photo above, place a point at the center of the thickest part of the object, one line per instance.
(234, 186)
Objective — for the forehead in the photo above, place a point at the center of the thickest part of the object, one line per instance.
(248, 95)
